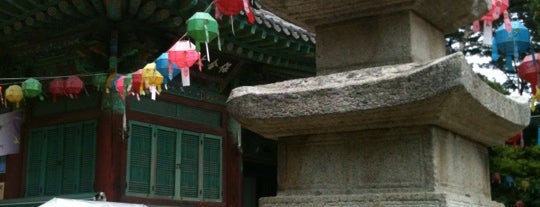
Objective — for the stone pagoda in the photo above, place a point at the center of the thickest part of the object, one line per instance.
(389, 120)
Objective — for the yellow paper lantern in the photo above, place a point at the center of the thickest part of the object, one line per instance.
(152, 79)
(14, 94)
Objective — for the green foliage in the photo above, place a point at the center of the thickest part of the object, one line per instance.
(493, 84)
(523, 166)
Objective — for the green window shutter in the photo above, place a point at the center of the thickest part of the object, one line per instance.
(53, 173)
(189, 173)
(35, 176)
(139, 155)
(212, 168)
(165, 162)
(88, 155)
(71, 155)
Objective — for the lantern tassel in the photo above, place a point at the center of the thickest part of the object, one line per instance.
(153, 92)
(199, 62)
(185, 77)
(497, 11)
(171, 71)
(488, 33)
(206, 43)
(476, 26)
(232, 25)
(507, 24)
(495, 52)
(219, 41)
(249, 13)
(509, 66)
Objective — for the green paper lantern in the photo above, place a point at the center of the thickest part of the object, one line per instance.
(99, 81)
(202, 27)
(32, 88)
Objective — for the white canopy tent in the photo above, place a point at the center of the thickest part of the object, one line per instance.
(62, 202)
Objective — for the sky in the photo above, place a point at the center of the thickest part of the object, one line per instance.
(493, 74)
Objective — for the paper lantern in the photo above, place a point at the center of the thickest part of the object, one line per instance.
(183, 54)
(73, 86)
(99, 81)
(509, 181)
(524, 185)
(528, 70)
(14, 94)
(137, 85)
(32, 88)
(515, 139)
(119, 86)
(203, 28)
(496, 178)
(110, 80)
(162, 65)
(232, 8)
(56, 88)
(498, 7)
(152, 79)
(511, 44)
(127, 83)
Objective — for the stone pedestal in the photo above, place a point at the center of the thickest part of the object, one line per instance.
(412, 166)
(402, 135)
(389, 121)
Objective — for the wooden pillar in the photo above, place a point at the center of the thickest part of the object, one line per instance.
(104, 148)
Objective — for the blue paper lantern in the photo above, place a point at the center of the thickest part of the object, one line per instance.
(511, 44)
(162, 66)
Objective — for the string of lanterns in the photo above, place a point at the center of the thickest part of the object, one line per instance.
(201, 27)
(510, 41)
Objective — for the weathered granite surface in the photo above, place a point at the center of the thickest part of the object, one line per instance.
(443, 14)
(405, 166)
(401, 37)
(379, 200)
(444, 92)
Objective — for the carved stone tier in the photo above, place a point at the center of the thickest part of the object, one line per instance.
(444, 93)
(401, 135)
(411, 132)
(353, 34)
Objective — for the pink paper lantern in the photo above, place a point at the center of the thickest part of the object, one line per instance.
(73, 86)
(119, 84)
(183, 54)
(498, 7)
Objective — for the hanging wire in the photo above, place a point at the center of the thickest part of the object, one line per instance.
(43, 78)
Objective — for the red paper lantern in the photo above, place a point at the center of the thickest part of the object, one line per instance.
(56, 87)
(137, 87)
(233, 8)
(496, 178)
(528, 70)
(73, 86)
